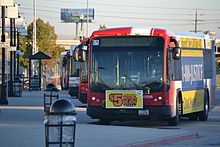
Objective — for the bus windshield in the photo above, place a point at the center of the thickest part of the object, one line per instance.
(127, 63)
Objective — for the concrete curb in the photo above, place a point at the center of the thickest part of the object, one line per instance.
(162, 140)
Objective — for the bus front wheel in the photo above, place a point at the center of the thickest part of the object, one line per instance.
(173, 121)
(203, 115)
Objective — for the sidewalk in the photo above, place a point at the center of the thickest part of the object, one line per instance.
(21, 125)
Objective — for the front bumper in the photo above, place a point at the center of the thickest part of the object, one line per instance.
(118, 114)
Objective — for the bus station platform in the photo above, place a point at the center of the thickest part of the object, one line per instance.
(22, 125)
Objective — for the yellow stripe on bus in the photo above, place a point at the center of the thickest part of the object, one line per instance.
(192, 53)
(193, 101)
(188, 42)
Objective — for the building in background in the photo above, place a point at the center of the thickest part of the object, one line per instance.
(217, 48)
(67, 43)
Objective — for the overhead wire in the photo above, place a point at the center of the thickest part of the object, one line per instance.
(134, 6)
(131, 17)
(113, 11)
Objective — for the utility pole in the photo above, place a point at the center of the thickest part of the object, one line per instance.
(196, 20)
(34, 50)
(87, 20)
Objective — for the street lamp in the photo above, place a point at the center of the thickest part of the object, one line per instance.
(3, 96)
(21, 29)
(51, 94)
(12, 13)
(60, 125)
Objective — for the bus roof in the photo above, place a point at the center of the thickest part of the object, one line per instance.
(120, 31)
(144, 30)
(194, 35)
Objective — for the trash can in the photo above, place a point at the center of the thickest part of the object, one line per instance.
(17, 87)
(34, 85)
(51, 94)
(60, 125)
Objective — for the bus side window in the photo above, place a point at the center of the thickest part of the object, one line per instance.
(76, 73)
(175, 68)
(208, 60)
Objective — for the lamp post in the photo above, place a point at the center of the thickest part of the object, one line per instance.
(60, 124)
(51, 94)
(3, 98)
(12, 13)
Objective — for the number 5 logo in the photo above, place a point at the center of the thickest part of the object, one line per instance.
(116, 99)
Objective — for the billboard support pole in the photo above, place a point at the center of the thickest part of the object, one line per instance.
(87, 20)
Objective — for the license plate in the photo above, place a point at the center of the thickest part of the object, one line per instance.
(143, 112)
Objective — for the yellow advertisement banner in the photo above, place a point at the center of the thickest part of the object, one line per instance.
(192, 53)
(193, 101)
(186, 42)
(129, 99)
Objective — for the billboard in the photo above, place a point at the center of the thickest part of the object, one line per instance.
(76, 15)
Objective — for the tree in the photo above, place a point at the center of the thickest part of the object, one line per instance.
(46, 43)
(102, 27)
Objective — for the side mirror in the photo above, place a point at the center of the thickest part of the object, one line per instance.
(81, 55)
(176, 53)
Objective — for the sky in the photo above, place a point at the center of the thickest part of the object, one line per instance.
(175, 15)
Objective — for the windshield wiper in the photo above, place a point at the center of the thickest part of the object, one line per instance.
(133, 82)
(102, 82)
(148, 83)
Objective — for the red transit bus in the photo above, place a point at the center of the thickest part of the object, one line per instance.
(144, 72)
(69, 78)
(83, 74)
(83, 84)
(74, 79)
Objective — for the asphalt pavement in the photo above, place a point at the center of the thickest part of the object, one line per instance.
(22, 125)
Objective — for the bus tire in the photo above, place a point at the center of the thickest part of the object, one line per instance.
(173, 121)
(203, 115)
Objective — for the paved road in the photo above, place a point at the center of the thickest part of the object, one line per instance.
(21, 125)
(209, 131)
